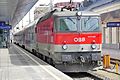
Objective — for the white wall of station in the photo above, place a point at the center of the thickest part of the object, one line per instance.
(111, 35)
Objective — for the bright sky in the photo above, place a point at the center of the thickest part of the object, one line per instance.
(55, 1)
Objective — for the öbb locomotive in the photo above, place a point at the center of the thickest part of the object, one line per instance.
(70, 40)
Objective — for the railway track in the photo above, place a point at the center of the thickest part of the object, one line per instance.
(91, 75)
(113, 61)
(83, 76)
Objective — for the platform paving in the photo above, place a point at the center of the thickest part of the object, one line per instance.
(110, 73)
(15, 64)
(106, 74)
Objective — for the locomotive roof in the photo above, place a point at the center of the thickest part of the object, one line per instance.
(73, 13)
(66, 13)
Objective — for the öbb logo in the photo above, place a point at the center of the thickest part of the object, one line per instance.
(79, 39)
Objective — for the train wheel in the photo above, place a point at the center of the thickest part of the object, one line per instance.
(23, 46)
(37, 54)
(50, 61)
(33, 51)
(41, 56)
(46, 58)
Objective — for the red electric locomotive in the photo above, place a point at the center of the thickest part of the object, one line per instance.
(70, 40)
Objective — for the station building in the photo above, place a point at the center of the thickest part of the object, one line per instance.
(110, 14)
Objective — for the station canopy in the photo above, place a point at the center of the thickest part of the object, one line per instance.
(12, 11)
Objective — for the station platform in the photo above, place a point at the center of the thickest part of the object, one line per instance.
(18, 64)
(110, 73)
(106, 74)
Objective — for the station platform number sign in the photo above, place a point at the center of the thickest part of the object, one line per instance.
(113, 24)
(5, 26)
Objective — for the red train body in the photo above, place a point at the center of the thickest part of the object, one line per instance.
(70, 40)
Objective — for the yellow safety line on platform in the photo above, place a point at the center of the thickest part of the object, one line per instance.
(56, 77)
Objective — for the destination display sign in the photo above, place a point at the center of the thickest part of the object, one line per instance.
(113, 24)
(2, 23)
(6, 27)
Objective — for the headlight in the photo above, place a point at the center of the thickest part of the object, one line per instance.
(93, 46)
(64, 47)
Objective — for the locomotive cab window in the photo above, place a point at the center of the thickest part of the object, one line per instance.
(66, 24)
(90, 24)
